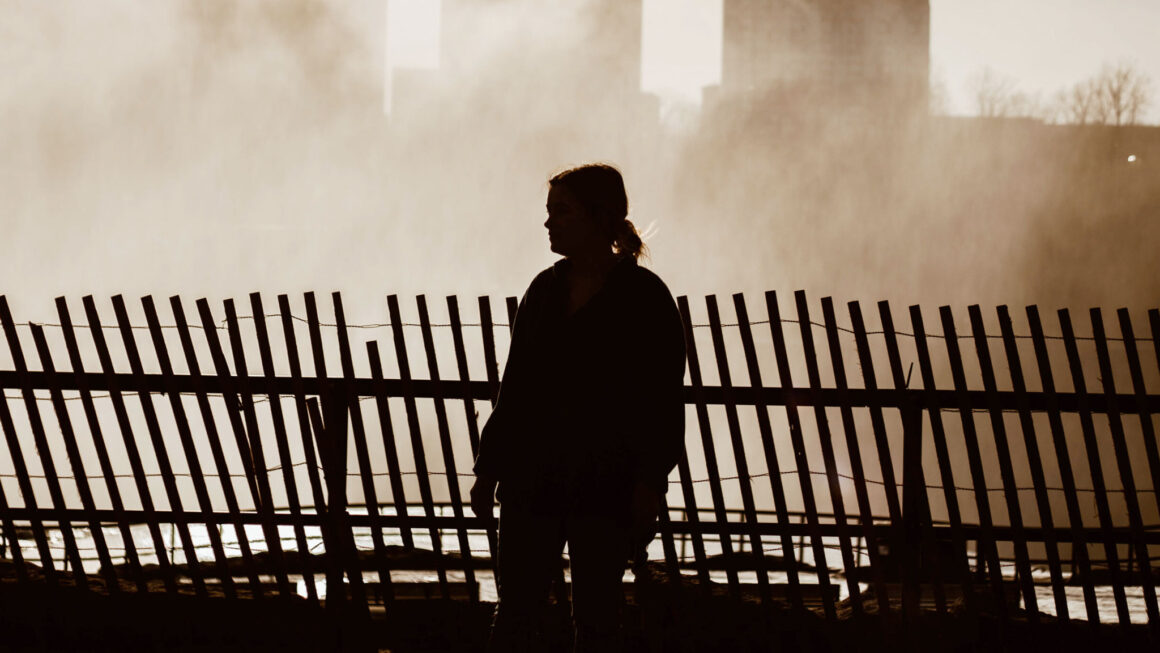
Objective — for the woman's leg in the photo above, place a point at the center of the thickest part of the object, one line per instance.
(528, 557)
(599, 546)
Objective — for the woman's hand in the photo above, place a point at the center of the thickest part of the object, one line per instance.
(483, 496)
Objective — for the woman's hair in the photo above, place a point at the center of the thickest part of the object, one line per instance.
(599, 188)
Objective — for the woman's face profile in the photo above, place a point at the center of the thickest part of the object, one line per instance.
(571, 230)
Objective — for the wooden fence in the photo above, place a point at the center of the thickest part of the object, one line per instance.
(818, 464)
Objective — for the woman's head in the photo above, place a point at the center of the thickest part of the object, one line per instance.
(588, 212)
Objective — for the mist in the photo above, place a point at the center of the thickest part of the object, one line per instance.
(209, 148)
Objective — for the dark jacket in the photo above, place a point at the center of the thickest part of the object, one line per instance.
(592, 402)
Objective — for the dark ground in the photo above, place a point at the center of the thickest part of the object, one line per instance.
(36, 618)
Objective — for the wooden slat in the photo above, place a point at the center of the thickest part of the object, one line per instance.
(1035, 464)
(469, 412)
(303, 416)
(228, 388)
(916, 508)
(825, 437)
(305, 429)
(451, 470)
(315, 336)
(708, 447)
(741, 396)
(215, 446)
(766, 430)
(282, 441)
(128, 438)
(106, 464)
(80, 478)
(366, 470)
(36, 523)
(946, 471)
(805, 480)
(512, 307)
(160, 451)
(8, 532)
(337, 527)
(1122, 535)
(1147, 429)
(489, 355)
(336, 532)
(1124, 465)
(975, 463)
(394, 471)
(1067, 477)
(738, 443)
(186, 437)
(416, 439)
(244, 424)
(1091, 447)
(854, 449)
(1003, 451)
(39, 437)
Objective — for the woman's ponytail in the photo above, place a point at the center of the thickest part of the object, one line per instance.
(627, 242)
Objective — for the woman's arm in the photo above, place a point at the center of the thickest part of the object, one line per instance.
(661, 411)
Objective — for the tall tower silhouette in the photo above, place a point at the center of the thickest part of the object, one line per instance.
(878, 49)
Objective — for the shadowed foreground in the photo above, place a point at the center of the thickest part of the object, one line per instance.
(659, 616)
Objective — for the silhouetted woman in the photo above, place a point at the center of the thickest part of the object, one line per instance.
(589, 420)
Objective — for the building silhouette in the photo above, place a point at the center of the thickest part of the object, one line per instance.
(574, 64)
(872, 55)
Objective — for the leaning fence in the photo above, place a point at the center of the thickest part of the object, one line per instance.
(1014, 471)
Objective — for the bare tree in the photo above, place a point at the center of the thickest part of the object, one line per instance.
(992, 93)
(1080, 104)
(998, 96)
(1118, 95)
(1123, 94)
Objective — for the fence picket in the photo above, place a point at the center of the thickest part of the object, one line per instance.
(215, 446)
(244, 424)
(916, 502)
(417, 441)
(1097, 473)
(1035, 463)
(738, 447)
(708, 448)
(803, 468)
(74, 457)
(186, 438)
(55, 494)
(471, 416)
(854, 450)
(450, 469)
(160, 451)
(1148, 430)
(8, 533)
(130, 441)
(946, 472)
(1124, 465)
(1003, 451)
(780, 504)
(398, 492)
(826, 440)
(986, 539)
(282, 440)
(366, 471)
(1067, 476)
(106, 464)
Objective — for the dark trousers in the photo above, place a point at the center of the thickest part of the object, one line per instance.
(531, 541)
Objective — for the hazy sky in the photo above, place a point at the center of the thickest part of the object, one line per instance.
(1044, 45)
